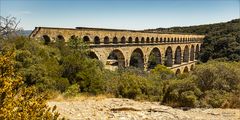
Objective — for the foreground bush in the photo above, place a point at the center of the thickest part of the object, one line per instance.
(17, 101)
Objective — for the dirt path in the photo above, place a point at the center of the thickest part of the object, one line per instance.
(125, 109)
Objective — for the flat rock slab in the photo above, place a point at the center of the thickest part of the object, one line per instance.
(126, 109)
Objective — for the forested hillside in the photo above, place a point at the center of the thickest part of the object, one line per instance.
(222, 39)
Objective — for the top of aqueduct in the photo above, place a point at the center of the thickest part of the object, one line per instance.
(128, 36)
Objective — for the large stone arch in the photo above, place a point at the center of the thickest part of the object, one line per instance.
(93, 55)
(192, 53)
(186, 54)
(197, 51)
(46, 39)
(154, 58)
(168, 57)
(116, 58)
(178, 55)
(137, 58)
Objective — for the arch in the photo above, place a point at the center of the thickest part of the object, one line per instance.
(186, 54)
(175, 39)
(136, 40)
(171, 39)
(60, 38)
(130, 40)
(137, 59)
(152, 40)
(115, 40)
(46, 39)
(165, 40)
(116, 58)
(185, 70)
(96, 40)
(168, 57)
(123, 40)
(197, 52)
(161, 40)
(178, 55)
(86, 39)
(154, 58)
(168, 40)
(178, 71)
(142, 40)
(74, 37)
(192, 67)
(192, 53)
(157, 40)
(106, 40)
(93, 55)
(147, 40)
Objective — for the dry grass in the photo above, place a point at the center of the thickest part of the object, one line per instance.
(81, 97)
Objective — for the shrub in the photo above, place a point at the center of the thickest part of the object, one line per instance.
(162, 72)
(72, 91)
(181, 93)
(17, 101)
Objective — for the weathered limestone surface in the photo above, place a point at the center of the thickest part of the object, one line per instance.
(125, 109)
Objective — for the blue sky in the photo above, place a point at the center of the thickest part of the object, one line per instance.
(119, 14)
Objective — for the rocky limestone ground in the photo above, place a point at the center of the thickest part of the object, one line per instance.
(126, 109)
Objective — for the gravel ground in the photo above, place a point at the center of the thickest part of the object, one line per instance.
(126, 109)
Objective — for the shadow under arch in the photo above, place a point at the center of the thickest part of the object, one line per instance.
(178, 55)
(116, 58)
(136, 59)
(185, 70)
(192, 53)
(154, 58)
(186, 54)
(168, 57)
(93, 55)
(178, 72)
(46, 39)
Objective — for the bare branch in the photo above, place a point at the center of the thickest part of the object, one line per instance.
(8, 26)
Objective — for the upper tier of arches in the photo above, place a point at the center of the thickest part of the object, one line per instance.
(107, 40)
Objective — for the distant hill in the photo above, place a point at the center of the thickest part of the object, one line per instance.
(25, 32)
(222, 39)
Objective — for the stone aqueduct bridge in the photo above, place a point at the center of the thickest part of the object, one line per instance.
(123, 48)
